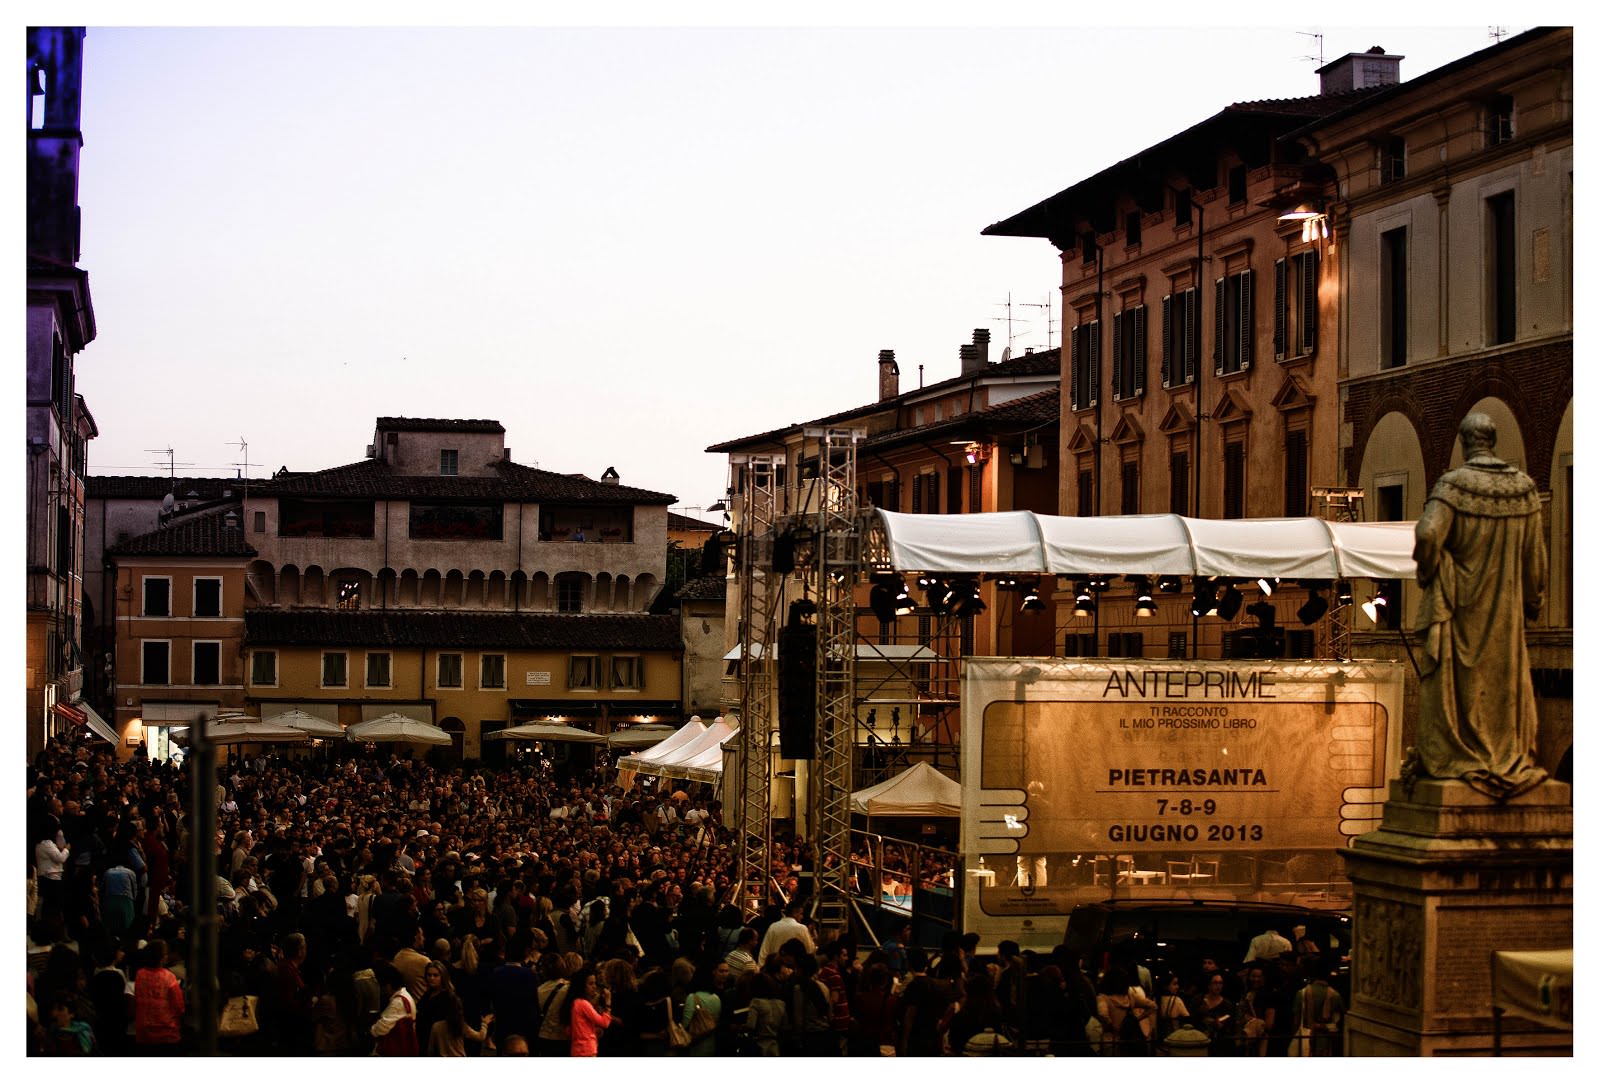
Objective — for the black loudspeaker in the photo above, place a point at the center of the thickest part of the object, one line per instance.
(797, 692)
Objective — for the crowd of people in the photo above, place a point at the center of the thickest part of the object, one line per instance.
(383, 904)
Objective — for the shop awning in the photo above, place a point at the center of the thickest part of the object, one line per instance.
(91, 719)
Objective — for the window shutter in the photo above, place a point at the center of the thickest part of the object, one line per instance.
(931, 497)
(1117, 389)
(1168, 341)
(1247, 324)
(1094, 363)
(1309, 267)
(1140, 358)
(1191, 334)
(953, 490)
(1280, 309)
(916, 494)
(1077, 349)
(1221, 307)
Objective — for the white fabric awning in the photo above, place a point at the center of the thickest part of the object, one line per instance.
(686, 734)
(920, 791)
(1025, 542)
(92, 720)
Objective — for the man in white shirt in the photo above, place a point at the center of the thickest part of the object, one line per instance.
(787, 927)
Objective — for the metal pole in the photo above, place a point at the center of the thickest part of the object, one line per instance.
(203, 888)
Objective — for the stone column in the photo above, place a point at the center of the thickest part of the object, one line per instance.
(1450, 877)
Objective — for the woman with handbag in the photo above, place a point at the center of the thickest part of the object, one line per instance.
(702, 1009)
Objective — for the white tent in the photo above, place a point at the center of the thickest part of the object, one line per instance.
(685, 734)
(919, 791)
(711, 739)
(1025, 542)
(706, 766)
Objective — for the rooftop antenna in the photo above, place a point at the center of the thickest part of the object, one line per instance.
(172, 465)
(1049, 322)
(244, 468)
(1498, 33)
(1313, 34)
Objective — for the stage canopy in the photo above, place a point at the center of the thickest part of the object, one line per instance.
(1154, 545)
(919, 791)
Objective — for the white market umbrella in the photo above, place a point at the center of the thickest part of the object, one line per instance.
(242, 730)
(547, 732)
(397, 727)
(641, 737)
(307, 723)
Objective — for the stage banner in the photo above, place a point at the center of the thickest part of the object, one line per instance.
(1087, 779)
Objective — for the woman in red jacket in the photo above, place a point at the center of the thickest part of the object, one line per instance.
(588, 1012)
(157, 1004)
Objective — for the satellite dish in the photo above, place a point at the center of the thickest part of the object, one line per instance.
(1005, 355)
(168, 503)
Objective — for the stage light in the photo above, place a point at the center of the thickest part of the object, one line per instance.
(1265, 613)
(1377, 607)
(1342, 595)
(1204, 603)
(966, 600)
(1031, 602)
(1228, 605)
(890, 599)
(1143, 604)
(1083, 602)
(1314, 608)
(1267, 586)
(1169, 585)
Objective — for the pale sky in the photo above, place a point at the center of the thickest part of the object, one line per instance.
(622, 243)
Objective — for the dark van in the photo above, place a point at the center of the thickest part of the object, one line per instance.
(1176, 935)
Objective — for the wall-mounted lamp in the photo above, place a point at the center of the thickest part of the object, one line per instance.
(977, 453)
(1313, 221)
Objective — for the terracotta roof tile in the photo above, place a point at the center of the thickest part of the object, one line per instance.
(201, 535)
(511, 482)
(441, 425)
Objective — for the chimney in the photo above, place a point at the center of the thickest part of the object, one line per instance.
(1359, 71)
(980, 339)
(888, 376)
(610, 477)
(971, 360)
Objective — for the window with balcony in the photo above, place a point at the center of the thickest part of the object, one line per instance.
(324, 519)
(457, 522)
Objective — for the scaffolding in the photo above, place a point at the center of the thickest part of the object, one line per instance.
(1338, 504)
(756, 488)
(833, 572)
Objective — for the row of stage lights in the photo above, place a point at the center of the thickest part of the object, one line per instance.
(959, 596)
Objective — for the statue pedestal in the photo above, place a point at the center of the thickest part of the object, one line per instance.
(1450, 877)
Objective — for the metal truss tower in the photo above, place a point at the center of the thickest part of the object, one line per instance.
(755, 484)
(1338, 504)
(836, 565)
